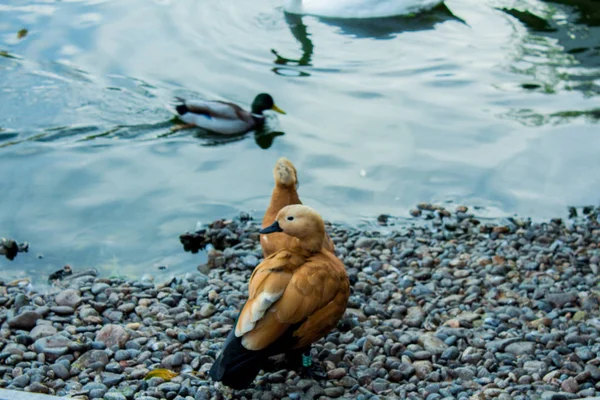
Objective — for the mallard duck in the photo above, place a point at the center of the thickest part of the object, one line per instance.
(284, 193)
(295, 297)
(223, 117)
(358, 8)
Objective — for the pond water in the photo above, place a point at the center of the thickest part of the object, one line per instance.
(488, 103)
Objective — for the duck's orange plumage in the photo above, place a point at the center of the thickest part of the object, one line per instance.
(284, 194)
(296, 296)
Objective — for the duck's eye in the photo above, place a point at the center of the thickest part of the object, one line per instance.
(290, 218)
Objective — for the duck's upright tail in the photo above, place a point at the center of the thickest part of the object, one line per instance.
(236, 366)
(179, 106)
(285, 173)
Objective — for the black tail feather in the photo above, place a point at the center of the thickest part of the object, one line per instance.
(236, 366)
(181, 109)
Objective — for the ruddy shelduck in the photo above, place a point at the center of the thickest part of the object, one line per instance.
(295, 297)
(284, 194)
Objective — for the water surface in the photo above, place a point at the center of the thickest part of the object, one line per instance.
(486, 103)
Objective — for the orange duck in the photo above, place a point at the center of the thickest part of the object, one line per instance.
(284, 194)
(296, 296)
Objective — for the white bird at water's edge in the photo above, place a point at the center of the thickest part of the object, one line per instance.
(358, 8)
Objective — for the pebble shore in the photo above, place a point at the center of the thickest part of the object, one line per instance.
(444, 307)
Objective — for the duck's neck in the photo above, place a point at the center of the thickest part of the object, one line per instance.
(313, 244)
(283, 196)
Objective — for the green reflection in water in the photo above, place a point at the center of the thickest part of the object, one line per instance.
(375, 28)
(561, 52)
(529, 117)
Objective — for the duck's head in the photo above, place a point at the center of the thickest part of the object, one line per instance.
(264, 102)
(301, 222)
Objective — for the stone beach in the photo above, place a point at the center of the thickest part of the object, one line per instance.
(444, 306)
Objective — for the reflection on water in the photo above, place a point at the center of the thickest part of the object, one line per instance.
(300, 33)
(530, 117)
(263, 136)
(388, 28)
(490, 103)
(264, 140)
(559, 53)
(562, 51)
(373, 28)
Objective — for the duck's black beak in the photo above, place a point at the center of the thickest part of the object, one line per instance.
(274, 227)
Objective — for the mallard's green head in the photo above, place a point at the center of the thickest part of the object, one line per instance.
(264, 102)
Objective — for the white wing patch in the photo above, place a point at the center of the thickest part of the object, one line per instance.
(258, 308)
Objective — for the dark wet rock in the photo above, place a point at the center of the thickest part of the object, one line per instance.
(60, 274)
(26, 320)
(25, 340)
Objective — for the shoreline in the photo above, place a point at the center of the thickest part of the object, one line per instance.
(446, 307)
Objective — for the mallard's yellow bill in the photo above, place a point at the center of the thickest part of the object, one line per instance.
(277, 109)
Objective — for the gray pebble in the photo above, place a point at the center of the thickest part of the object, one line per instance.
(61, 371)
(99, 287)
(114, 396)
(207, 310)
(173, 360)
(109, 379)
(519, 348)
(62, 310)
(20, 381)
(69, 298)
